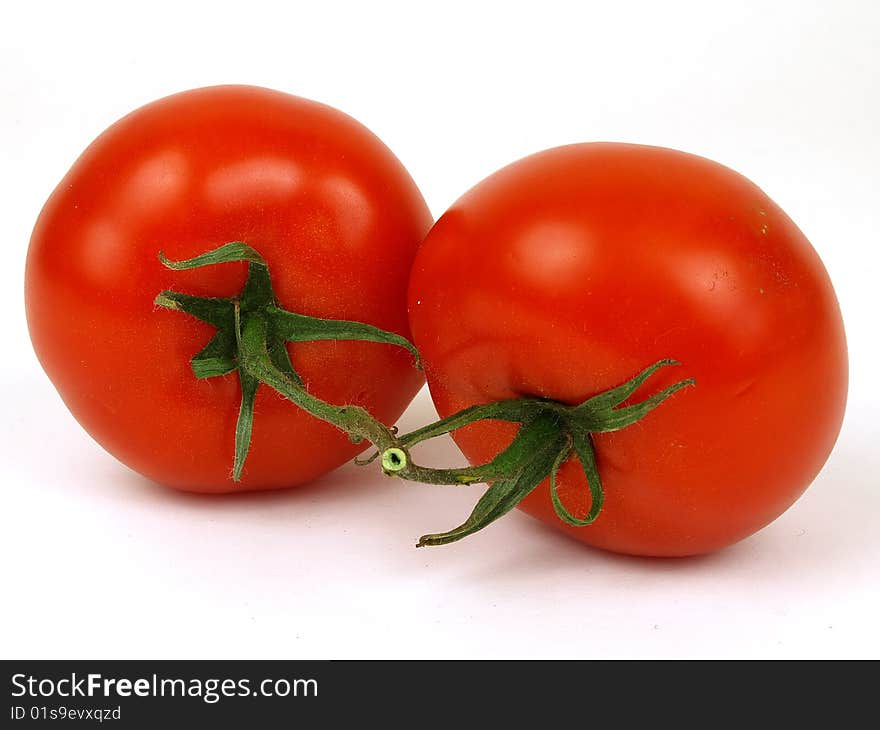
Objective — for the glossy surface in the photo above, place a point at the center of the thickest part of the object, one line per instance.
(565, 273)
(333, 212)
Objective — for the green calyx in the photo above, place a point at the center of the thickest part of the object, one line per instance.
(252, 333)
(549, 434)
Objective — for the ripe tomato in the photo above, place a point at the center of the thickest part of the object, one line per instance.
(333, 212)
(568, 272)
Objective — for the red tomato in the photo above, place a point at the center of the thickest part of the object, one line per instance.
(569, 271)
(330, 208)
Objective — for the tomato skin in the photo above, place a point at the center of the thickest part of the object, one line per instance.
(333, 212)
(564, 274)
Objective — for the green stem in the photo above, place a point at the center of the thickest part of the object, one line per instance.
(536, 453)
(355, 421)
(251, 337)
(516, 410)
(541, 442)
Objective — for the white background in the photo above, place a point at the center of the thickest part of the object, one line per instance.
(96, 562)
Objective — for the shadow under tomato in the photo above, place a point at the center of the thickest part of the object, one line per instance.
(348, 482)
(833, 525)
(541, 549)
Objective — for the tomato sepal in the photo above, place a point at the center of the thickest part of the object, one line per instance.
(582, 444)
(533, 452)
(251, 338)
(550, 433)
